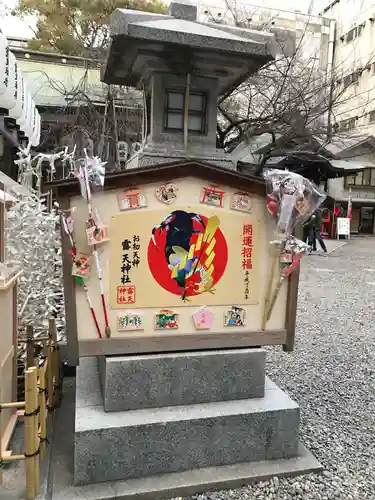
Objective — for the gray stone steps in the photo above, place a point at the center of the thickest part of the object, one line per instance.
(60, 478)
(151, 381)
(183, 484)
(112, 446)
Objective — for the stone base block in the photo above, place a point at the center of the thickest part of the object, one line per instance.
(148, 442)
(151, 381)
(192, 482)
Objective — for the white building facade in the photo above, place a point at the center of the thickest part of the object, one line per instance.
(353, 111)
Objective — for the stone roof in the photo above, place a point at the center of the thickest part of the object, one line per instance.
(141, 39)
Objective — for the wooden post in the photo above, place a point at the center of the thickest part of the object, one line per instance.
(50, 384)
(30, 406)
(30, 352)
(35, 420)
(43, 409)
(52, 365)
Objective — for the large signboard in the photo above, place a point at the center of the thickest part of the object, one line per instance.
(184, 256)
(184, 265)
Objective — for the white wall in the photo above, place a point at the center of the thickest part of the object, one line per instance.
(358, 100)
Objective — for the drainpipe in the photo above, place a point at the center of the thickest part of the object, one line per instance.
(186, 111)
(331, 71)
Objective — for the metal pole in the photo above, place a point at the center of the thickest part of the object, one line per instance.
(186, 111)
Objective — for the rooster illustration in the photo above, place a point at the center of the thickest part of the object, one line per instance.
(190, 263)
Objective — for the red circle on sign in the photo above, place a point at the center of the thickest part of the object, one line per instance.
(168, 235)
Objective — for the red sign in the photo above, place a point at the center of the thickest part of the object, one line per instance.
(126, 294)
(247, 246)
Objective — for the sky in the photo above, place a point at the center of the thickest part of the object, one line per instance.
(11, 26)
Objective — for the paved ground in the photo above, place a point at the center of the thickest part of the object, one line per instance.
(331, 374)
(332, 245)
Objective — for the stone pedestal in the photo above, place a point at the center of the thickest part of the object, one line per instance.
(152, 415)
(158, 380)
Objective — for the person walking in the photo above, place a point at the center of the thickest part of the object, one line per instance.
(308, 233)
(315, 234)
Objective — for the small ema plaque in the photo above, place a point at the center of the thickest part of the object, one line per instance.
(203, 319)
(241, 202)
(132, 199)
(235, 316)
(166, 319)
(81, 265)
(212, 196)
(129, 321)
(167, 193)
(96, 235)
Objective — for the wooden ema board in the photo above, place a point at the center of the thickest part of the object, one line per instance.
(150, 306)
(183, 257)
(139, 284)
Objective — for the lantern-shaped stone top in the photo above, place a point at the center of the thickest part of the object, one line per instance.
(183, 10)
(143, 43)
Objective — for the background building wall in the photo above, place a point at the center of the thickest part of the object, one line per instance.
(354, 64)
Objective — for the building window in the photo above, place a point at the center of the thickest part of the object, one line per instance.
(366, 178)
(355, 33)
(371, 116)
(351, 78)
(348, 124)
(174, 111)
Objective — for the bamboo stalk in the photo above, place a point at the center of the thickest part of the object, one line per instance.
(18, 404)
(13, 458)
(267, 299)
(35, 420)
(30, 378)
(50, 381)
(43, 410)
(30, 346)
(52, 329)
(274, 298)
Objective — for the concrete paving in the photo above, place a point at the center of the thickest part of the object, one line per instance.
(334, 327)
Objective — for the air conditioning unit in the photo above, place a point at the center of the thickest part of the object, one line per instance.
(123, 150)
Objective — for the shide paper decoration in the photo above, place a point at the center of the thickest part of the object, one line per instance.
(33, 235)
(291, 199)
(90, 173)
(33, 238)
(80, 263)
